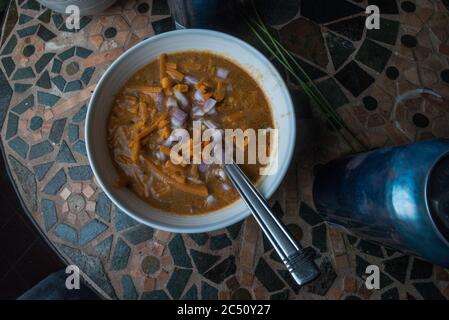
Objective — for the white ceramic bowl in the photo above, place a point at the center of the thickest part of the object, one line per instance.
(134, 59)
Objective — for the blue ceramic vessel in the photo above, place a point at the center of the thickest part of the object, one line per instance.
(396, 196)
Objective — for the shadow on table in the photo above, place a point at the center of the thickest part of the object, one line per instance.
(53, 288)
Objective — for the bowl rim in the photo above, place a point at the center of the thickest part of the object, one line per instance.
(287, 158)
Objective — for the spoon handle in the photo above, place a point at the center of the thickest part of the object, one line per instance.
(300, 265)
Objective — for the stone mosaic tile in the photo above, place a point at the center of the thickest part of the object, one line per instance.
(138, 234)
(64, 154)
(91, 230)
(199, 238)
(35, 123)
(129, 290)
(421, 269)
(120, 257)
(10, 20)
(80, 173)
(163, 25)
(339, 48)
(429, 291)
(12, 126)
(328, 275)
(46, 81)
(386, 7)
(203, 261)
(19, 146)
(23, 73)
(66, 233)
(208, 292)
(370, 248)
(373, 55)
(80, 115)
(178, 281)
(47, 99)
(387, 33)
(103, 249)
(92, 267)
(41, 170)
(219, 242)
(10, 45)
(322, 12)
(304, 38)
(267, 276)
(104, 206)
(155, 295)
(319, 237)
(45, 16)
(49, 213)
(56, 183)
(191, 294)
(331, 88)
(279, 13)
(27, 182)
(8, 65)
(354, 78)
(21, 87)
(222, 270)
(40, 149)
(123, 221)
(397, 268)
(361, 265)
(350, 28)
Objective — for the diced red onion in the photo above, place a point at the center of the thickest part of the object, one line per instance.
(229, 88)
(178, 117)
(197, 111)
(172, 138)
(168, 142)
(209, 104)
(222, 73)
(160, 156)
(198, 96)
(190, 80)
(210, 124)
(221, 174)
(171, 102)
(146, 190)
(181, 135)
(210, 199)
(195, 180)
(182, 99)
(158, 100)
(202, 167)
(226, 187)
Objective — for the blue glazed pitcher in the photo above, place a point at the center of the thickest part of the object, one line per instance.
(397, 196)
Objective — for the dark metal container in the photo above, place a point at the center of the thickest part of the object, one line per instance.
(204, 14)
(397, 196)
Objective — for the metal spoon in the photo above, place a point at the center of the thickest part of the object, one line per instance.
(298, 262)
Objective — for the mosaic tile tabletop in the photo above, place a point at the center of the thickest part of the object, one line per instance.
(372, 77)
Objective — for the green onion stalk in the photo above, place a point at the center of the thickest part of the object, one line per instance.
(288, 61)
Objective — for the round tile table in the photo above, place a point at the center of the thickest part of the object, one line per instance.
(48, 72)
